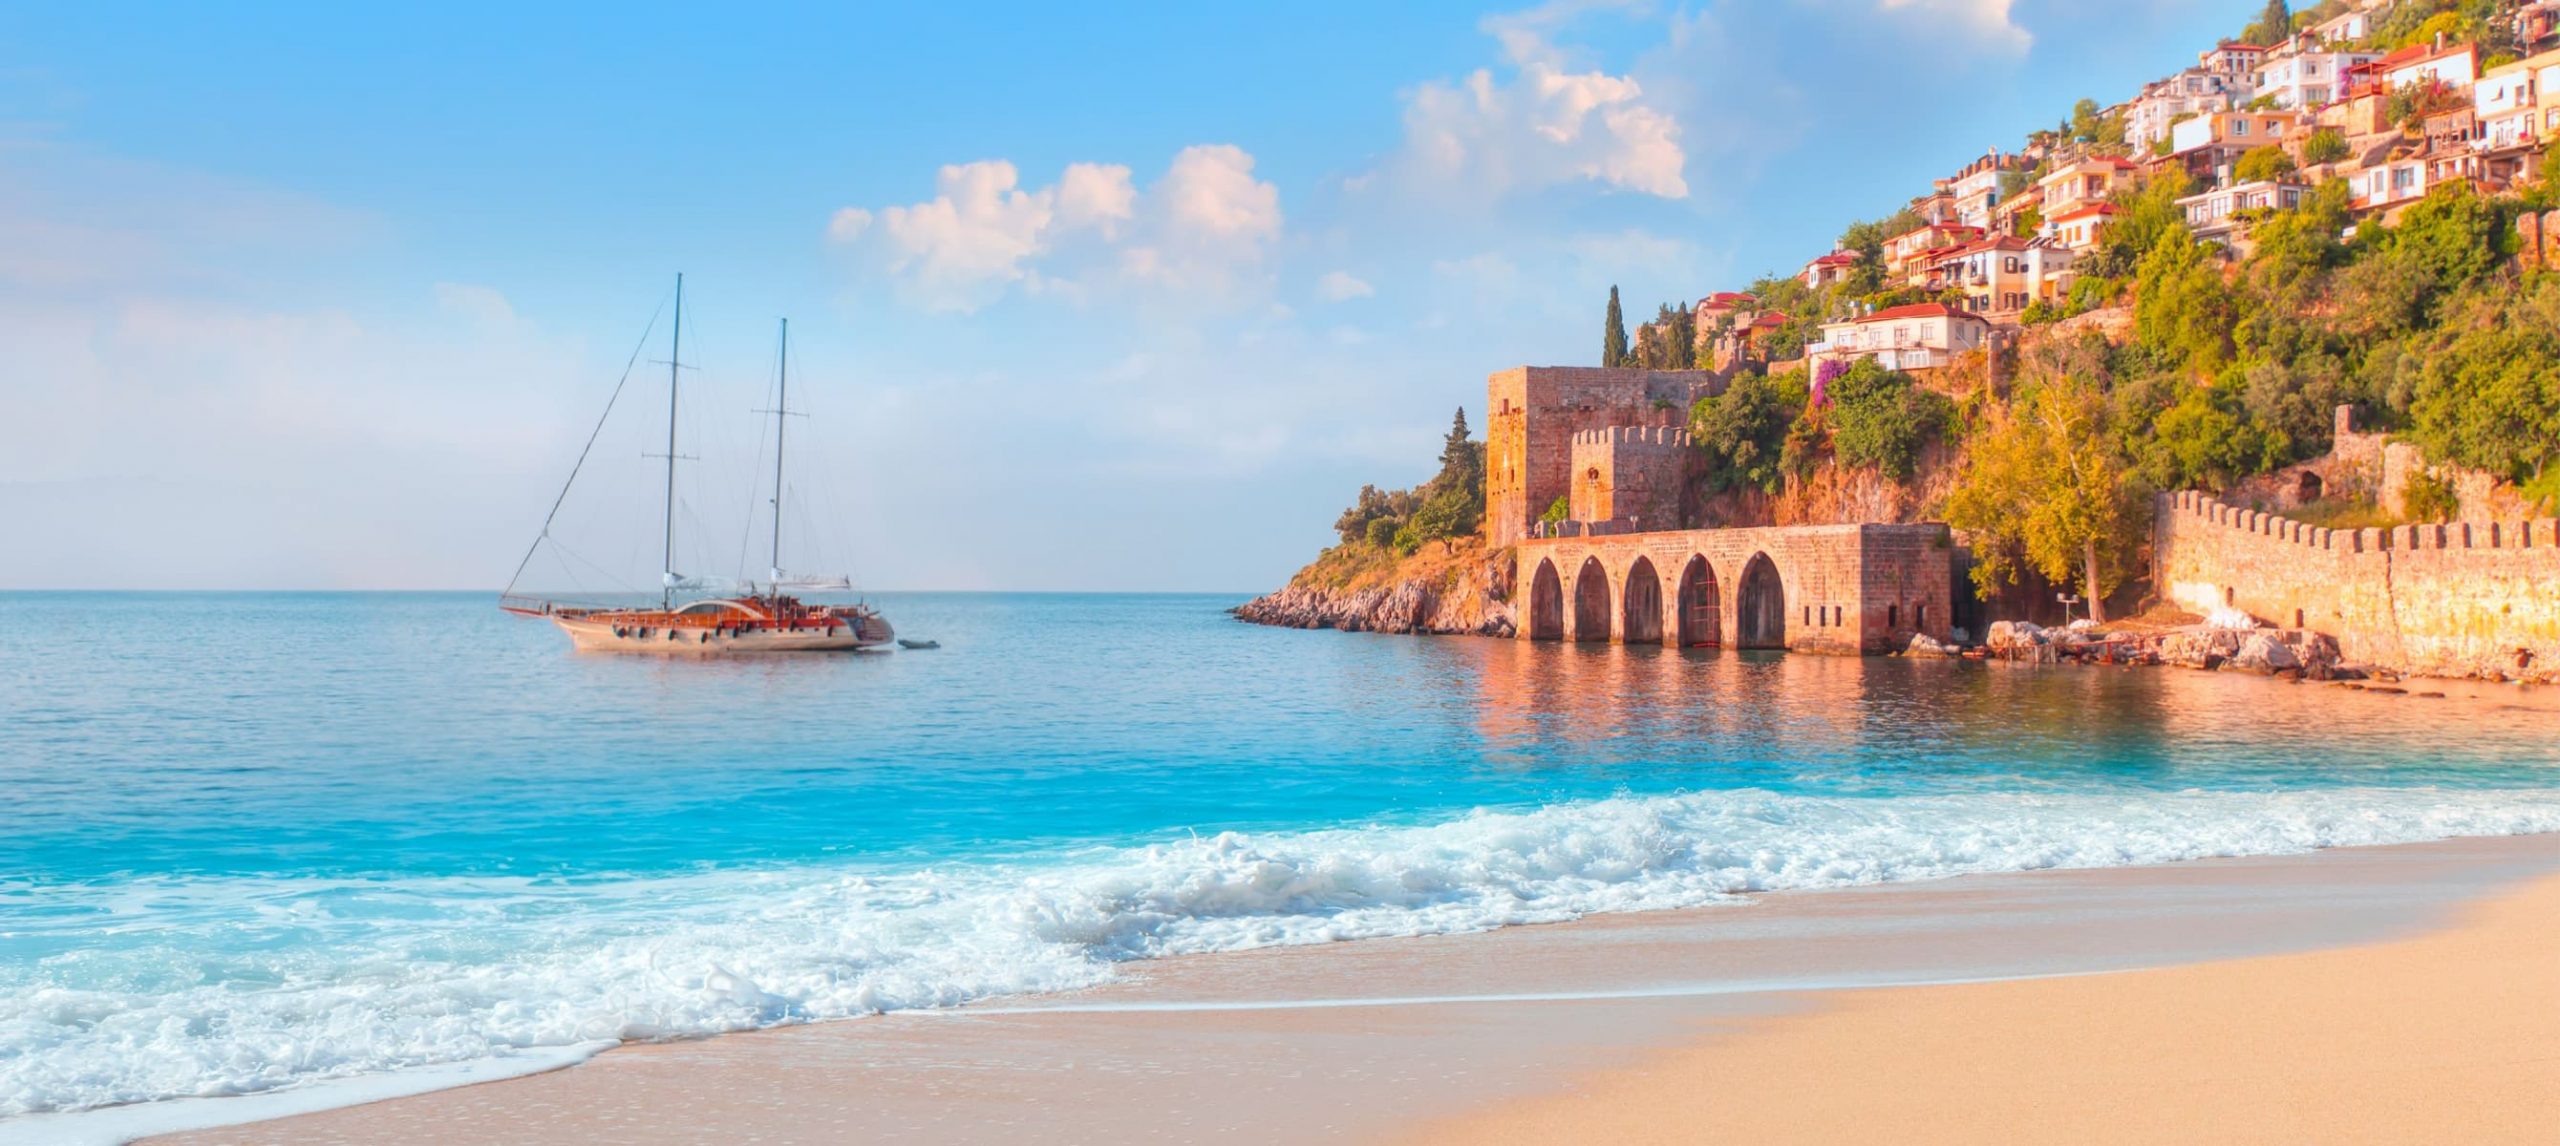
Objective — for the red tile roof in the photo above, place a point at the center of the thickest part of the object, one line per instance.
(1914, 310)
(2085, 212)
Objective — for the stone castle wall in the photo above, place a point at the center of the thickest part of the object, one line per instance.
(1841, 589)
(2371, 467)
(1533, 412)
(2461, 599)
(1631, 474)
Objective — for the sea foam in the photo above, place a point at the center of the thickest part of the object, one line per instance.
(232, 986)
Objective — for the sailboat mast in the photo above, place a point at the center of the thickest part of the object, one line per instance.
(781, 407)
(667, 550)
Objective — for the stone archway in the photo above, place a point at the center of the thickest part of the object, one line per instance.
(1701, 607)
(1546, 604)
(1641, 613)
(1761, 616)
(1591, 602)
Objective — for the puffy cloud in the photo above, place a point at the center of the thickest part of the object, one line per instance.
(1341, 286)
(977, 236)
(1542, 125)
(984, 233)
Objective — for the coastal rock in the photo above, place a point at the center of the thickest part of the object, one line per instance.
(1923, 645)
(1461, 596)
(2264, 653)
(2201, 648)
(2012, 635)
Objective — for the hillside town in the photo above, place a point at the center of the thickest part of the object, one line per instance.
(2274, 342)
(2001, 242)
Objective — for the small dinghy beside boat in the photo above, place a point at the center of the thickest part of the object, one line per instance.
(904, 643)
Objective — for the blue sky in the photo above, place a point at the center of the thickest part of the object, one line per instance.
(1111, 297)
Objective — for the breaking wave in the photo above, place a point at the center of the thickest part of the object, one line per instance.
(234, 986)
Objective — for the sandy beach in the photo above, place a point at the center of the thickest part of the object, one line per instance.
(2449, 1037)
(2400, 993)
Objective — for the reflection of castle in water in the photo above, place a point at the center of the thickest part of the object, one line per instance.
(1623, 565)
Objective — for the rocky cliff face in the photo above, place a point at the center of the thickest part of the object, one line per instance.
(1456, 589)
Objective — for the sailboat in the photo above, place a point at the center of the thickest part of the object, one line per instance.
(759, 619)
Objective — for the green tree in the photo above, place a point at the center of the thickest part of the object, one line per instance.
(2268, 161)
(2274, 23)
(2208, 441)
(2325, 145)
(1453, 500)
(1743, 431)
(2182, 308)
(1880, 420)
(1613, 341)
(2085, 121)
(2489, 395)
(2044, 487)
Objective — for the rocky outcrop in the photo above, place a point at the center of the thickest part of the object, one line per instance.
(1459, 591)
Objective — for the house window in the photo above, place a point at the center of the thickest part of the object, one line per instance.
(2239, 127)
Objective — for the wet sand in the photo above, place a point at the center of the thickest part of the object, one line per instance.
(1638, 1027)
(2449, 1037)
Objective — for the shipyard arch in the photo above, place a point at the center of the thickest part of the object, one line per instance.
(1640, 619)
(1591, 602)
(1761, 600)
(1546, 604)
(1701, 622)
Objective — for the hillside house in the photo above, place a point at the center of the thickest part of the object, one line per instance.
(2208, 146)
(2195, 91)
(2001, 276)
(2223, 215)
(2301, 75)
(1829, 269)
(1977, 187)
(2075, 185)
(2233, 61)
(1904, 251)
(1919, 336)
(2081, 227)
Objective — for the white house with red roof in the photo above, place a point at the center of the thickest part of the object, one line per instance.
(2081, 227)
(1828, 269)
(1919, 336)
(1914, 245)
(2090, 180)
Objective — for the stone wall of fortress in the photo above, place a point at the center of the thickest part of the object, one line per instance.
(1533, 412)
(2458, 599)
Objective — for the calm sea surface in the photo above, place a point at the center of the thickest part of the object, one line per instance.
(255, 840)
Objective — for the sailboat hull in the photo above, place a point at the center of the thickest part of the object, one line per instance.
(607, 635)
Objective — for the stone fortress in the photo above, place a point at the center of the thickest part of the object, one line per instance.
(1623, 563)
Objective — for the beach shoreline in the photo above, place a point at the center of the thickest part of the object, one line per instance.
(2447, 1036)
(1434, 1036)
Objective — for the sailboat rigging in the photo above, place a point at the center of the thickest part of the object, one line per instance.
(758, 620)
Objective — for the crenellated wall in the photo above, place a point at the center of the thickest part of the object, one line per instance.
(1533, 412)
(2459, 599)
(1631, 474)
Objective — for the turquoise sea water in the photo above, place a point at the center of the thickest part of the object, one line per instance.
(257, 840)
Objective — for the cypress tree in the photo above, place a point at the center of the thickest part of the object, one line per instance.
(1613, 345)
(2273, 25)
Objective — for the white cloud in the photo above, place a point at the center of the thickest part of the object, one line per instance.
(1988, 19)
(1201, 224)
(1341, 286)
(1542, 125)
